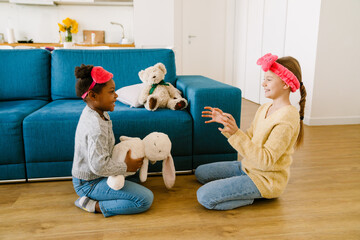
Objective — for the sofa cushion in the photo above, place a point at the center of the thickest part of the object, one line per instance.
(49, 134)
(25, 74)
(129, 95)
(12, 159)
(125, 64)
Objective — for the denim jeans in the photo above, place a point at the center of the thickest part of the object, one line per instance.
(132, 198)
(226, 186)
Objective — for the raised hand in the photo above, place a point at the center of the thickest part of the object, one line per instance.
(230, 125)
(215, 114)
(226, 119)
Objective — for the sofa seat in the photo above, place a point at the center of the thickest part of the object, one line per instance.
(12, 158)
(49, 135)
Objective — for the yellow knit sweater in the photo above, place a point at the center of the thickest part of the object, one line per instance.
(267, 147)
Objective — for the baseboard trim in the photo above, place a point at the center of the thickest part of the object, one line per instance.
(49, 179)
(70, 177)
(184, 172)
(13, 181)
(318, 121)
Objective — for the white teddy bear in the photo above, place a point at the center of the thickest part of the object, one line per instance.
(157, 93)
(154, 147)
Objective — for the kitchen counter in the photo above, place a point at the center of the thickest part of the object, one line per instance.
(42, 45)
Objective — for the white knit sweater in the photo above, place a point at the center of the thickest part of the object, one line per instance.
(94, 143)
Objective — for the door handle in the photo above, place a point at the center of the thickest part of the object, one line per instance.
(190, 37)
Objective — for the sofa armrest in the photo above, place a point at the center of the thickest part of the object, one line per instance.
(200, 92)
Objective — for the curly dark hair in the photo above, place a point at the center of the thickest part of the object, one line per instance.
(84, 80)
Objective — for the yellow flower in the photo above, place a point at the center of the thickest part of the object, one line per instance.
(61, 27)
(74, 27)
(67, 22)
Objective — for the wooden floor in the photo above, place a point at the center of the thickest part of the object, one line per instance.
(322, 201)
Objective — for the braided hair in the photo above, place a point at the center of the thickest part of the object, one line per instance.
(293, 65)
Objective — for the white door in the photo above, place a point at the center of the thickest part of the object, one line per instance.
(203, 38)
(260, 29)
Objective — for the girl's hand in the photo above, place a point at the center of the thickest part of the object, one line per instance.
(133, 164)
(226, 119)
(216, 115)
(230, 125)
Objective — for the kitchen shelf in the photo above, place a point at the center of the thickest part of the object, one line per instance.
(39, 45)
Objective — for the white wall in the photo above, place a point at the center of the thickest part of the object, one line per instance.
(154, 23)
(260, 29)
(254, 35)
(178, 35)
(336, 98)
(302, 26)
(274, 33)
(230, 41)
(240, 44)
(40, 22)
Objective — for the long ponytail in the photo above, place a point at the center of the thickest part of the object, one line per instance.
(293, 65)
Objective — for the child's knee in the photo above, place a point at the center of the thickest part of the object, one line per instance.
(147, 200)
(204, 197)
(200, 173)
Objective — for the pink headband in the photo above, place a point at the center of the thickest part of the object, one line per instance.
(267, 63)
(99, 75)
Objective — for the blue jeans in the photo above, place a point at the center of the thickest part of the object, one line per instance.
(226, 186)
(132, 198)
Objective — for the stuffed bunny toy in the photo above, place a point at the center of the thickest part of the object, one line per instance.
(157, 93)
(154, 147)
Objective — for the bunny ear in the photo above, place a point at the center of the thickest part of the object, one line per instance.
(144, 170)
(168, 172)
(125, 138)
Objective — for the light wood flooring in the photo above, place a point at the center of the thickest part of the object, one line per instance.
(322, 201)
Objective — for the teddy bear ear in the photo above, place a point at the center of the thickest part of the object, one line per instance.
(141, 75)
(161, 67)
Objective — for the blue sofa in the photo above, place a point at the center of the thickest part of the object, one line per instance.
(39, 110)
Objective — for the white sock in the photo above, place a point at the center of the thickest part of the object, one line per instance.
(86, 203)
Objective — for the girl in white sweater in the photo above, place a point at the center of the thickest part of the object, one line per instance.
(94, 142)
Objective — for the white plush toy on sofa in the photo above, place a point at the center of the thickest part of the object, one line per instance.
(157, 93)
(154, 147)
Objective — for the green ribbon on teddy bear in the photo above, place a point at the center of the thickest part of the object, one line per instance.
(162, 82)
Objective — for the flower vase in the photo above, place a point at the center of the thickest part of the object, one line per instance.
(68, 39)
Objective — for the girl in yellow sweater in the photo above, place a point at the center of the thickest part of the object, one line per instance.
(266, 146)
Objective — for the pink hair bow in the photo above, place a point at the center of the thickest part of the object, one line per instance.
(99, 75)
(267, 61)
